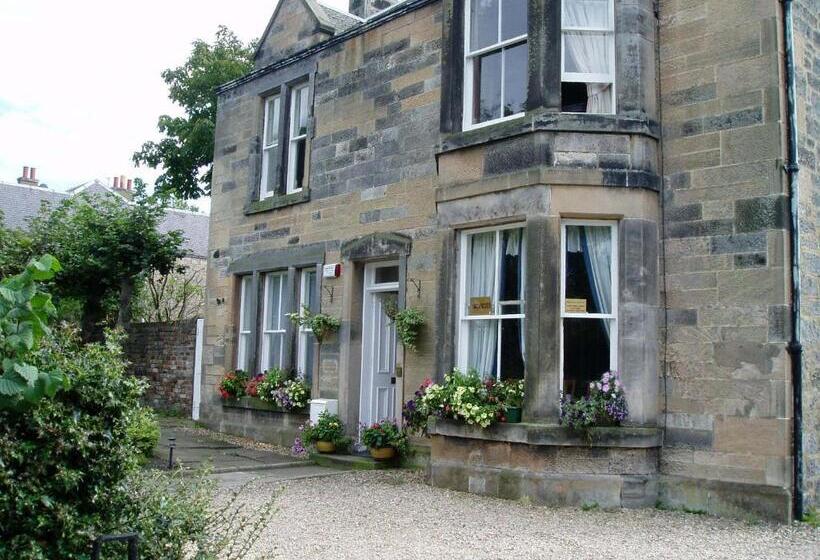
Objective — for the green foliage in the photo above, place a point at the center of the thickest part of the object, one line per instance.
(15, 250)
(385, 434)
(105, 247)
(25, 311)
(65, 458)
(186, 152)
(812, 517)
(321, 324)
(232, 384)
(408, 323)
(510, 392)
(271, 380)
(143, 431)
(328, 428)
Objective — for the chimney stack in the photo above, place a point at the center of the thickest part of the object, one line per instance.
(368, 8)
(29, 176)
(116, 182)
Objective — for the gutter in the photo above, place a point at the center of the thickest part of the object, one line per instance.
(795, 348)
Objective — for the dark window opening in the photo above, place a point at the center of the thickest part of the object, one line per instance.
(574, 97)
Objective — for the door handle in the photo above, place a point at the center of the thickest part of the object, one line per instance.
(392, 380)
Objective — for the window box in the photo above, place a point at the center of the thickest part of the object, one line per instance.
(549, 434)
(255, 403)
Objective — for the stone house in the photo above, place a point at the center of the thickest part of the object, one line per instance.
(564, 188)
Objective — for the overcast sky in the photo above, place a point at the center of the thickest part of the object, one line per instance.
(80, 85)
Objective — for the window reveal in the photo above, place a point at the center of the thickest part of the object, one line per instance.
(245, 323)
(491, 333)
(588, 303)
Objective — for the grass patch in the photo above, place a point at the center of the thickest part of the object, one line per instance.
(590, 506)
(812, 518)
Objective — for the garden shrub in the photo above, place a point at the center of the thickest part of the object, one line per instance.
(143, 432)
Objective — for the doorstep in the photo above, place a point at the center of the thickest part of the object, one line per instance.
(349, 462)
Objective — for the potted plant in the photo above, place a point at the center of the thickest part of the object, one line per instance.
(232, 385)
(604, 405)
(320, 324)
(511, 395)
(408, 322)
(326, 434)
(385, 439)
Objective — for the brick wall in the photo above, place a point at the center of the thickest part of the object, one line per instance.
(727, 378)
(807, 62)
(163, 355)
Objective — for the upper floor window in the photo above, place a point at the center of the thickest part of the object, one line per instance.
(270, 143)
(495, 61)
(297, 145)
(588, 56)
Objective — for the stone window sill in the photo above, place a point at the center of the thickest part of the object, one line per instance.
(549, 122)
(253, 403)
(549, 434)
(277, 201)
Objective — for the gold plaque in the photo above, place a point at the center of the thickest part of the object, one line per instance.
(575, 305)
(481, 305)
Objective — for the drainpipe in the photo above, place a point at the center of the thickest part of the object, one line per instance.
(795, 348)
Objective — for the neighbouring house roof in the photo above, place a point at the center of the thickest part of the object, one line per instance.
(20, 203)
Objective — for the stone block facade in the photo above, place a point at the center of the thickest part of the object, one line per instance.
(688, 171)
(163, 354)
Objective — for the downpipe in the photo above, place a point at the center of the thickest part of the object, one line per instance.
(795, 348)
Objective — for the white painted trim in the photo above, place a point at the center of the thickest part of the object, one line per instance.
(196, 398)
(269, 150)
(240, 355)
(612, 317)
(293, 139)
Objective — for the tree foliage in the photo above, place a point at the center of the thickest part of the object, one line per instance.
(105, 247)
(186, 151)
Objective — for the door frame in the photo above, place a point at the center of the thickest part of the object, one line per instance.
(370, 288)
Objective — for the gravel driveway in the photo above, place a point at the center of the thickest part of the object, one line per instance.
(393, 515)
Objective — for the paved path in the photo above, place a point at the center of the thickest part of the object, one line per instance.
(232, 464)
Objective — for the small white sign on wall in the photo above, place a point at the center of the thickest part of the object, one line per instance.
(333, 270)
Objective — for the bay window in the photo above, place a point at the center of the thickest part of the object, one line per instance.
(491, 302)
(245, 323)
(589, 302)
(306, 342)
(496, 61)
(270, 145)
(297, 143)
(587, 56)
(274, 321)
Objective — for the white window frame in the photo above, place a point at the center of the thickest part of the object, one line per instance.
(294, 139)
(272, 111)
(613, 315)
(463, 317)
(270, 332)
(590, 77)
(304, 331)
(242, 349)
(469, 63)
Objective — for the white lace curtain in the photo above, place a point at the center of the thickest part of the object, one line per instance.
(483, 336)
(589, 52)
(595, 242)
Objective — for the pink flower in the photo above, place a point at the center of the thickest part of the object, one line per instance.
(606, 387)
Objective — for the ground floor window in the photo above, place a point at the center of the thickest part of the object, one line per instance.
(491, 302)
(307, 299)
(274, 322)
(589, 288)
(245, 323)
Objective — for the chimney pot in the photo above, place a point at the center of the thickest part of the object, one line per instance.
(116, 182)
(122, 181)
(33, 174)
(130, 184)
(25, 172)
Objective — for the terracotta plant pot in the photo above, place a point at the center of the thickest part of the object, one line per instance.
(513, 414)
(325, 447)
(382, 453)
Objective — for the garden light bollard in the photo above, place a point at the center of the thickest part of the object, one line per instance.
(172, 442)
(131, 538)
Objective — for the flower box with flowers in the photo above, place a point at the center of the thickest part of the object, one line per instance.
(271, 391)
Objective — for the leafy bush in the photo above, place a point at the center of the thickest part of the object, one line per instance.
(385, 434)
(605, 405)
(232, 384)
(143, 431)
(328, 428)
(65, 458)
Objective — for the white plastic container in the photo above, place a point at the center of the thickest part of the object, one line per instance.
(318, 406)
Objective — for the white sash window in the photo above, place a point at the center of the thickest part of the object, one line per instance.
(588, 56)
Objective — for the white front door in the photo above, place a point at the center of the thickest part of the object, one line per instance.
(378, 388)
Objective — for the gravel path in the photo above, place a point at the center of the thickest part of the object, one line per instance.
(393, 515)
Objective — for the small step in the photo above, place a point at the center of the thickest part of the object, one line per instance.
(349, 462)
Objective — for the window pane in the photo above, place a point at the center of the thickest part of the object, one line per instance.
(515, 79)
(300, 111)
(512, 278)
(513, 19)
(588, 269)
(481, 355)
(309, 287)
(297, 162)
(574, 97)
(483, 23)
(242, 352)
(272, 122)
(487, 87)
(268, 171)
(273, 349)
(586, 14)
(587, 53)
(387, 274)
(273, 320)
(586, 353)
(247, 295)
(306, 342)
(512, 349)
(481, 273)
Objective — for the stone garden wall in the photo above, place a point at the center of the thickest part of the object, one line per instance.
(163, 355)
